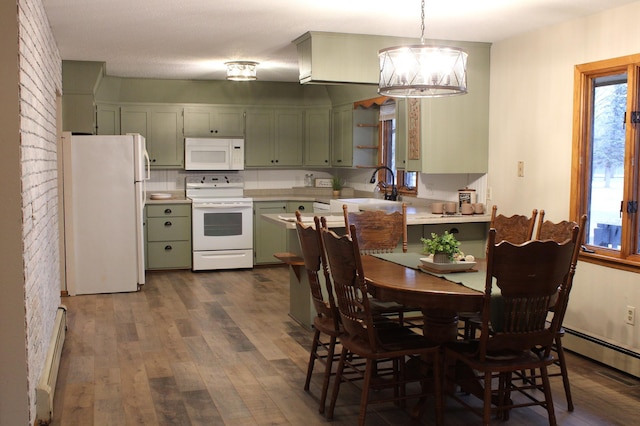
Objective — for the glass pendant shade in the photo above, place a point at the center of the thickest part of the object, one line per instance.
(418, 71)
(241, 70)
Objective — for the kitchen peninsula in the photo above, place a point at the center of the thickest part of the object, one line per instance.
(471, 231)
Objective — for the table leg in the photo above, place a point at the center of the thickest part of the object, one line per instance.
(440, 325)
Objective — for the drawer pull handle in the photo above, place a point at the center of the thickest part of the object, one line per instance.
(167, 223)
(167, 248)
(167, 211)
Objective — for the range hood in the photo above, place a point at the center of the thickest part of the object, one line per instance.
(339, 58)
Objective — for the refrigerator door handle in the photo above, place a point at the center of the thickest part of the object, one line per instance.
(147, 166)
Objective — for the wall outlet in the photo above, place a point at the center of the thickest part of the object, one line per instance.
(488, 193)
(631, 315)
(520, 168)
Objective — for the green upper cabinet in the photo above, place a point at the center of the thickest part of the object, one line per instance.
(161, 125)
(258, 137)
(342, 136)
(136, 119)
(273, 137)
(454, 130)
(108, 116)
(289, 137)
(212, 121)
(317, 137)
(166, 143)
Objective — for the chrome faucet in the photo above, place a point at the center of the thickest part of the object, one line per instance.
(394, 191)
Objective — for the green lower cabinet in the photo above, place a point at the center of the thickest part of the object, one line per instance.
(268, 238)
(169, 255)
(168, 236)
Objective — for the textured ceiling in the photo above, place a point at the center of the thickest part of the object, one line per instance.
(192, 39)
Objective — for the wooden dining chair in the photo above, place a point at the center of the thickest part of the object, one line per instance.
(365, 338)
(326, 323)
(381, 232)
(530, 277)
(560, 232)
(378, 231)
(516, 229)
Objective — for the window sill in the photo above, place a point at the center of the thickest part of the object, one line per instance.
(610, 262)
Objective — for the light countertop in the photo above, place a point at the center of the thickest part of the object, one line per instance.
(416, 217)
(177, 197)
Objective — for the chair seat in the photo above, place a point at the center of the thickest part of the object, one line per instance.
(399, 341)
(326, 326)
(495, 361)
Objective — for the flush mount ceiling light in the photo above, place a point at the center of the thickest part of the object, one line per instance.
(241, 70)
(421, 71)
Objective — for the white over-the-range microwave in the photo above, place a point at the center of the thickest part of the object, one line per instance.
(213, 154)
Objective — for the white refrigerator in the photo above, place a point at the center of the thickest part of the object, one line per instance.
(104, 196)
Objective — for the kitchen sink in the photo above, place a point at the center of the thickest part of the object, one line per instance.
(359, 204)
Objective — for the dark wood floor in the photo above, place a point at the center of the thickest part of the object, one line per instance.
(218, 348)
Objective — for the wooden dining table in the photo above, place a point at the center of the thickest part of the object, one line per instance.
(440, 298)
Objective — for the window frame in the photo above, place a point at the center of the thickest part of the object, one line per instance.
(584, 75)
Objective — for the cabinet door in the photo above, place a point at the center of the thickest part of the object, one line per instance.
(166, 144)
(268, 238)
(259, 138)
(229, 122)
(342, 136)
(317, 140)
(135, 119)
(108, 119)
(213, 122)
(288, 138)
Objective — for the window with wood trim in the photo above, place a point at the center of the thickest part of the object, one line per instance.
(606, 154)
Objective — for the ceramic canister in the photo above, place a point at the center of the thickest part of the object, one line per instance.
(466, 196)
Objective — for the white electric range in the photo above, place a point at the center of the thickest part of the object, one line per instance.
(222, 228)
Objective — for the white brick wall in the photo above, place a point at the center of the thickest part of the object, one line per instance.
(40, 82)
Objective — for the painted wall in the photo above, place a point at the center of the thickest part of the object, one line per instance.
(30, 79)
(14, 404)
(531, 107)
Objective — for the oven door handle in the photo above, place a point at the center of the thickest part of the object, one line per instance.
(225, 206)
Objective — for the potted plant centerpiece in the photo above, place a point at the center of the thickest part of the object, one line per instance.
(336, 184)
(443, 247)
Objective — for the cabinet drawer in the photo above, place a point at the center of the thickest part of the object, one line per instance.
(165, 210)
(169, 254)
(168, 228)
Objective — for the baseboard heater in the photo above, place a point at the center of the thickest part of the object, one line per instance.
(599, 350)
(47, 383)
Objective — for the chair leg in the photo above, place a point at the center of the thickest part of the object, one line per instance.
(563, 371)
(486, 415)
(547, 395)
(313, 354)
(364, 398)
(327, 372)
(336, 384)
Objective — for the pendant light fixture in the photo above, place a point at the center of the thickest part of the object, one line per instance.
(422, 71)
(241, 70)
